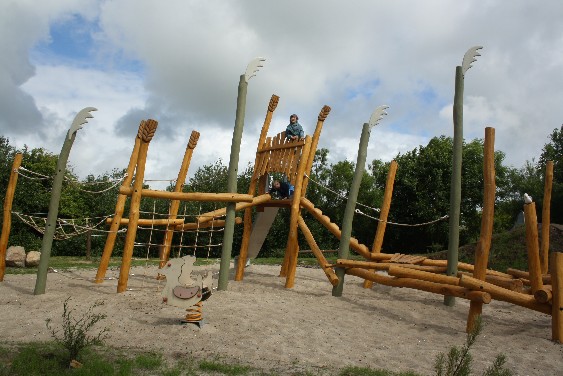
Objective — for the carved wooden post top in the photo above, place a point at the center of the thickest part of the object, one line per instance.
(194, 137)
(324, 113)
(273, 103)
(147, 130)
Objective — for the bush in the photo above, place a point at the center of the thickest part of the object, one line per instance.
(74, 337)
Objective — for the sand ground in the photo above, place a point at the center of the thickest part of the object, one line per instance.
(260, 323)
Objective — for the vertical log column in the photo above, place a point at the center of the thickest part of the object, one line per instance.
(146, 134)
(532, 246)
(546, 217)
(247, 229)
(484, 244)
(292, 248)
(315, 142)
(7, 218)
(119, 207)
(175, 204)
(383, 214)
(556, 265)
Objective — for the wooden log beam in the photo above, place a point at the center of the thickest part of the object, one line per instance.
(487, 218)
(544, 295)
(400, 272)
(7, 212)
(532, 246)
(190, 196)
(329, 272)
(546, 278)
(214, 223)
(546, 218)
(383, 214)
(345, 263)
(507, 283)
(239, 206)
(556, 266)
(149, 222)
(436, 288)
(499, 293)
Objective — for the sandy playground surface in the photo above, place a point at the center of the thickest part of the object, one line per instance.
(260, 323)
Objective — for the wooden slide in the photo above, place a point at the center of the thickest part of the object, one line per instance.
(260, 229)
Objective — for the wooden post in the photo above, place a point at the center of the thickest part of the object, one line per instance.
(119, 207)
(532, 246)
(317, 252)
(556, 264)
(56, 191)
(383, 214)
(175, 204)
(487, 219)
(247, 230)
(546, 217)
(7, 218)
(500, 293)
(315, 142)
(89, 244)
(292, 247)
(147, 133)
(226, 250)
(455, 188)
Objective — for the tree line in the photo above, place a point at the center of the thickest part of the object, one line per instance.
(420, 195)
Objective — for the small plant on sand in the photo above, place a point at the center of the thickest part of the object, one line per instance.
(74, 335)
(458, 362)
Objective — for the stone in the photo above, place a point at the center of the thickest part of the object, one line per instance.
(15, 256)
(32, 259)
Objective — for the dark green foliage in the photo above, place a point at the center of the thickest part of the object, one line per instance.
(74, 335)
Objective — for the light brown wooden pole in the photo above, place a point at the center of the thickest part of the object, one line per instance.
(175, 204)
(507, 283)
(544, 295)
(546, 218)
(345, 263)
(206, 217)
(191, 196)
(499, 293)
(247, 229)
(150, 222)
(398, 271)
(119, 207)
(487, 219)
(7, 217)
(383, 214)
(532, 246)
(314, 144)
(526, 275)
(292, 248)
(331, 275)
(556, 265)
(436, 288)
(216, 223)
(147, 133)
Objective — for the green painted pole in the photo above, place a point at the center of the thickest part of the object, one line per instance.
(344, 248)
(233, 173)
(455, 188)
(51, 224)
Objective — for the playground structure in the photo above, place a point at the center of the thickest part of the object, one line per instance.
(539, 289)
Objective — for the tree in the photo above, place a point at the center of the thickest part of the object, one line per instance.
(553, 151)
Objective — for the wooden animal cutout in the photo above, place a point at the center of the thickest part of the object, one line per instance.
(181, 290)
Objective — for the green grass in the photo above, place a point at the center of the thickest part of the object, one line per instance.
(49, 359)
(72, 262)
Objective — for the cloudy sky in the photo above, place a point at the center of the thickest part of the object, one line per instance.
(179, 62)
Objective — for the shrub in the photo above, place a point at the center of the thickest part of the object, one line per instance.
(74, 337)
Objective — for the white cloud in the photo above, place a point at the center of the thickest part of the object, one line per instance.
(350, 56)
